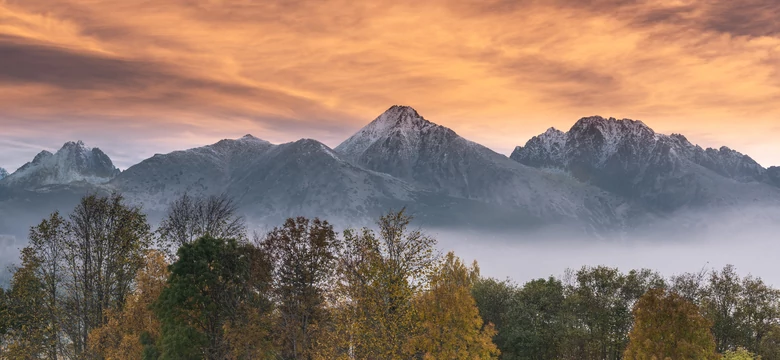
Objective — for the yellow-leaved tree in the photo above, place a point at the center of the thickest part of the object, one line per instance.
(667, 326)
(374, 309)
(451, 325)
(126, 332)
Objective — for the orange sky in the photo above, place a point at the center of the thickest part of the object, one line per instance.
(137, 77)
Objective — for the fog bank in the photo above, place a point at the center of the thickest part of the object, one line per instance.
(749, 239)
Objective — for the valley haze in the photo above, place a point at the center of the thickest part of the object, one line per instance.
(607, 191)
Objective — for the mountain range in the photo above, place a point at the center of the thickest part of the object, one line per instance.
(601, 175)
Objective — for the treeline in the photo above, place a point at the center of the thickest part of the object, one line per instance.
(598, 312)
(99, 283)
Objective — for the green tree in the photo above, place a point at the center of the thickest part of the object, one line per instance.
(757, 312)
(494, 299)
(667, 326)
(770, 343)
(209, 295)
(720, 305)
(303, 254)
(601, 299)
(540, 320)
(740, 354)
(25, 311)
(451, 327)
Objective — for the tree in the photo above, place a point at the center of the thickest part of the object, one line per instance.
(740, 354)
(757, 311)
(103, 252)
(189, 218)
(122, 334)
(667, 326)
(5, 319)
(720, 305)
(770, 344)
(210, 295)
(451, 327)
(601, 299)
(691, 286)
(539, 321)
(494, 299)
(47, 240)
(303, 255)
(379, 279)
(743, 311)
(25, 312)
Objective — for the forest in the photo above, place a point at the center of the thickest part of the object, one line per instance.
(101, 283)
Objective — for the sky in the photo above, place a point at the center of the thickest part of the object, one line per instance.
(139, 77)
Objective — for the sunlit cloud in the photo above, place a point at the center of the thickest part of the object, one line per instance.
(138, 77)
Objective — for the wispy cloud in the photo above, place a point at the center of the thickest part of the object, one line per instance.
(138, 77)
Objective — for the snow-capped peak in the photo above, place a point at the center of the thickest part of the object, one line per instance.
(401, 123)
(612, 128)
(41, 156)
(545, 150)
(606, 150)
(250, 137)
(74, 162)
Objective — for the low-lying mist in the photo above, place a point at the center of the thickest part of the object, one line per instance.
(747, 238)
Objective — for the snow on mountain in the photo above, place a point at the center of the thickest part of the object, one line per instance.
(545, 149)
(603, 174)
(203, 170)
(3, 173)
(270, 182)
(73, 163)
(403, 144)
(628, 158)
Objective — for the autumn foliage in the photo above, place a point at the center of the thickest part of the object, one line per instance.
(99, 284)
(667, 326)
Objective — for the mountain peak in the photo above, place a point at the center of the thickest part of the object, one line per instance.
(402, 109)
(629, 158)
(400, 116)
(74, 144)
(399, 125)
(542, 150)
(41, 156)
(610, 124)
(250, 137)
(73, 162)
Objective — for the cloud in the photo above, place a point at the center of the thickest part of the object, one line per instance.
(187, 72)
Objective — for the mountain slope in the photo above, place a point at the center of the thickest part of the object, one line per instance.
(628, 158)
(3, 173)
(204, 170)
(403, 144)
(270, 182)
(73, 163)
